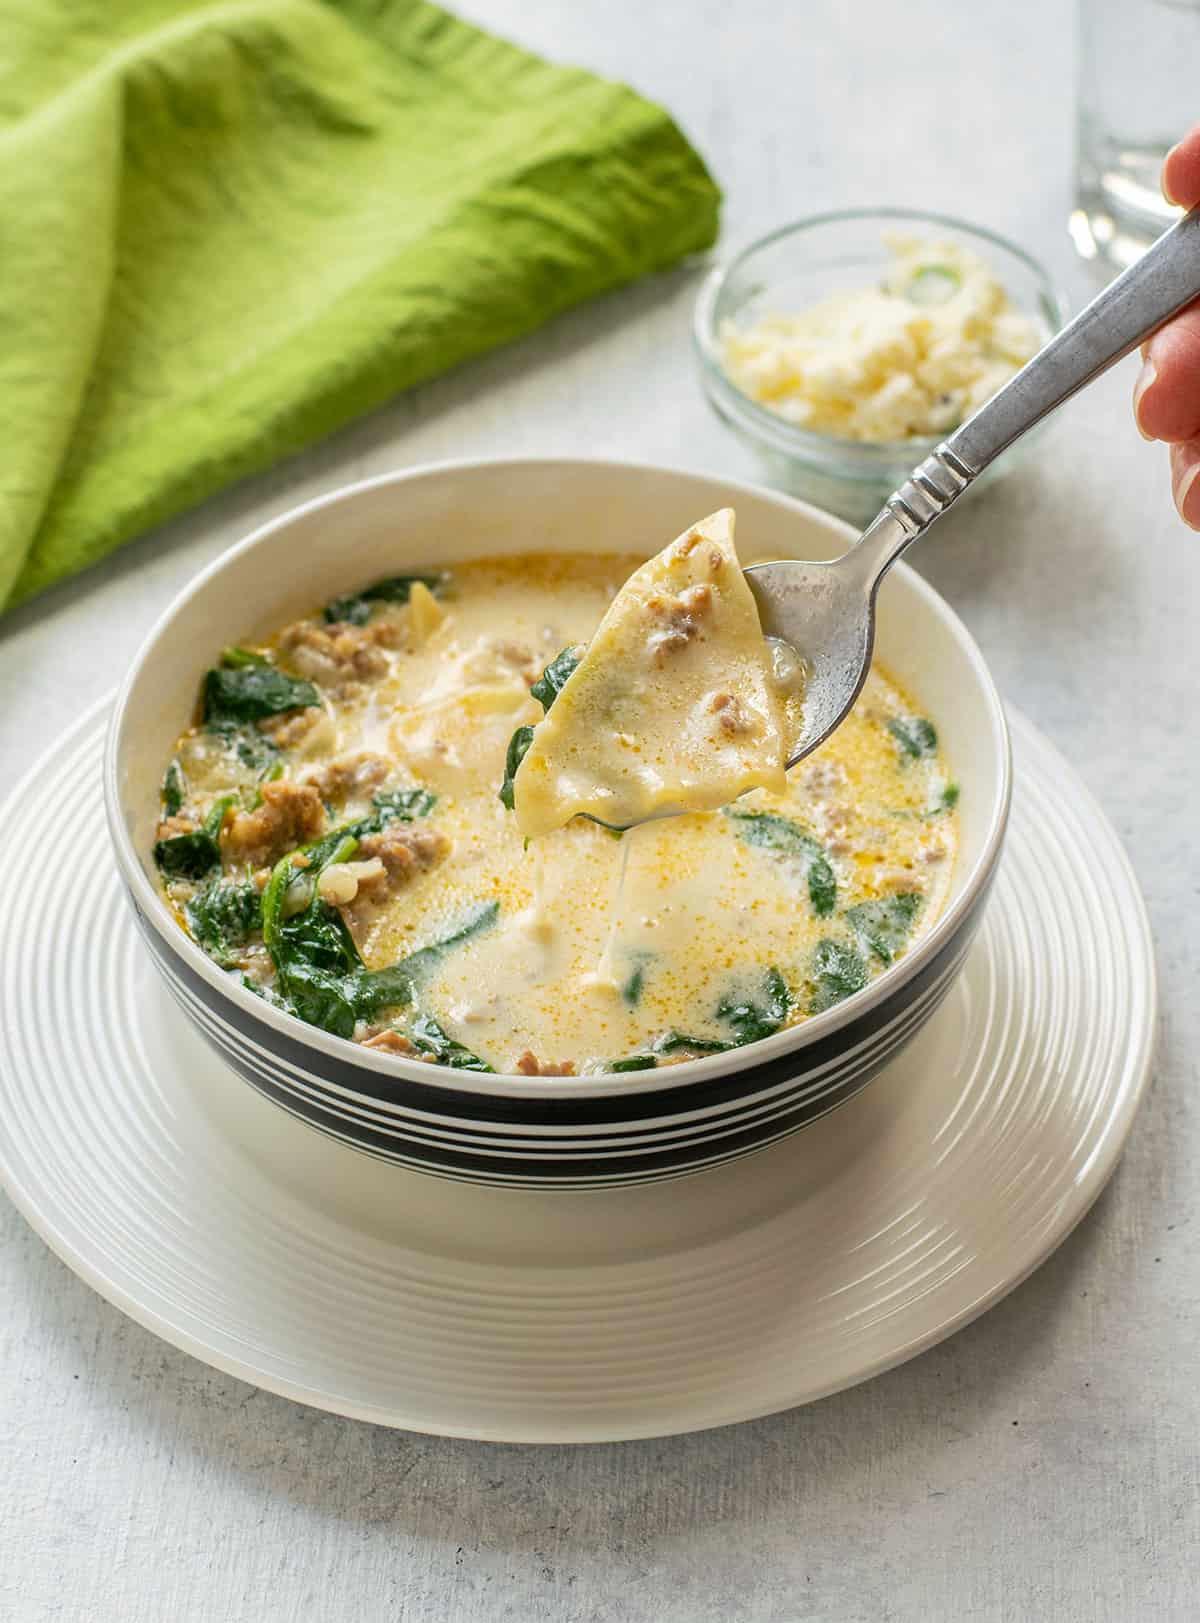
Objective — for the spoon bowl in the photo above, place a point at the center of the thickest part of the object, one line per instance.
(827, 613)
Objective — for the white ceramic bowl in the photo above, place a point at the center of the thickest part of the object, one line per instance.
(579, 1131)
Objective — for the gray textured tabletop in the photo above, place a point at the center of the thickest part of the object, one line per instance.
(1042, 1464)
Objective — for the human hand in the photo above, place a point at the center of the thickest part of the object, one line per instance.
(1166, 397)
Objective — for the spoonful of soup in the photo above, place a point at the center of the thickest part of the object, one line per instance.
(679, 702)
(690, 693)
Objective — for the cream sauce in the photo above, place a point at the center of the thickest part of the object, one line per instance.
(710, 903)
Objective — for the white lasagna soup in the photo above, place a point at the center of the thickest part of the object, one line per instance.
(512, 818)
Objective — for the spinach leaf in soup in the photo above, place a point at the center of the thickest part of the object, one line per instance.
(187, 856)
(419, 964)
(428, 1037)
(195, 854)
(679, 1042)
(254, 750)
(837, 972)
(174, 789)
(267, 993)
(319, 968)
(337, 1002)
(671, 1042)
(397, 984)
(752, 1019)
(947, 800)
(749, 1020)
(367, 992)
(279, 888)
(372, 990)
(314, 954)
(355, 608)
(224, 915)
(316, 965)
(545, 690)
(915, 736)
(403, 805)
(320, 973)
(787, 838)
(319, 936)
(883, 927)
(252, 689)
(518, 748)
(556, 676)
(319, 997)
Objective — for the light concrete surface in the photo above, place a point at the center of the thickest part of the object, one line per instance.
(1042, 1464)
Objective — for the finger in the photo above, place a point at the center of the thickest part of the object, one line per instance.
(1181, 170)
(1185, 481)
(1166, 396)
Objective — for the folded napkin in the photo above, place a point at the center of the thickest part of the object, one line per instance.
(229, 226)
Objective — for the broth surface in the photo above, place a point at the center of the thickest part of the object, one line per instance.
(580, 949)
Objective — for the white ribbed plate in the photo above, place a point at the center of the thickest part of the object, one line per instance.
(244, 1237)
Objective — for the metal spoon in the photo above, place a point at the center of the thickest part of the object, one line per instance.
(826, 611)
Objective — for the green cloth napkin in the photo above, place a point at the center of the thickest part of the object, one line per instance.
(229, 226)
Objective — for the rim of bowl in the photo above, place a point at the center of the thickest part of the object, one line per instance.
(667, 1079)
(866, 455)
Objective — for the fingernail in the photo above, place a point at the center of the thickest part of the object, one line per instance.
(1187, 497)
(1144, 380)
(1166, 190)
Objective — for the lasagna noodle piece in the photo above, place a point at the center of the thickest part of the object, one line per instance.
(672, 708)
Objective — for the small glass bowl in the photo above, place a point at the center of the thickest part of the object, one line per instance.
(796, 267)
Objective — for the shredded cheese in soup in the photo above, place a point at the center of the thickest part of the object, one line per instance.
(333, 835)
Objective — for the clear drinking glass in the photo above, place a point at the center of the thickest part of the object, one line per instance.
(1138, 91)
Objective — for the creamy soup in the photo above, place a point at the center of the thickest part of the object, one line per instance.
(337, 831)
